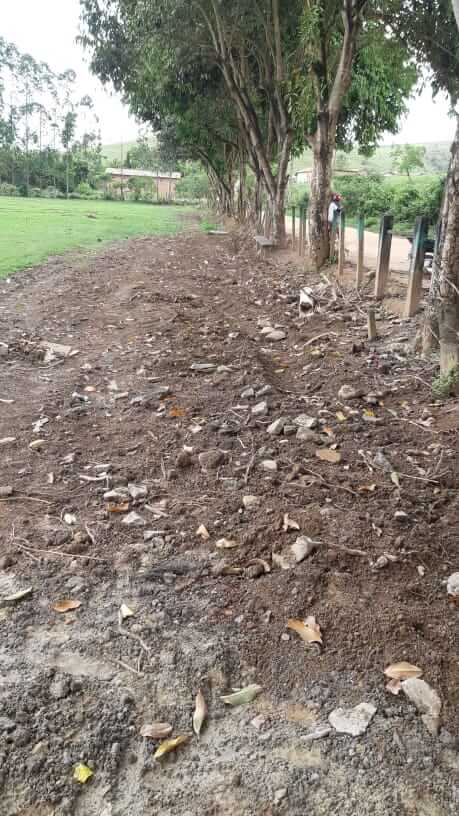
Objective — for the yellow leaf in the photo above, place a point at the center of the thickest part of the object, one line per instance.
(328, 455)
(200, 713)
(402, 671)
(66, 605)
(395, 478)
(308, 630)
(170, 745)
(156, 730)
(82, 773)
(368, 412)
(341, 417)
(244, 695)
(203, 532)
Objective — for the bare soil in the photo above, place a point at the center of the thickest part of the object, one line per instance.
(130, 409)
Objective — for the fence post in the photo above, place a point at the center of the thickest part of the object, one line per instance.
(341, 249)
(293, 227)
(382, 264)
(416, 266)
(360, 255)
(300, 233)
(371, 324)
(304, 231)
(333, 236)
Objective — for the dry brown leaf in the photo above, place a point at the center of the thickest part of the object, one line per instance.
(121, 507)
(328, 431)
(203, 532)
(402, 671)
(170, 745)
(66, 605)
(177, 411)
(200, 713)
(156, 730)
(370, 488)
(454, 599)
(289, 524)
(226, 544)
(308, 630)
(328, 455)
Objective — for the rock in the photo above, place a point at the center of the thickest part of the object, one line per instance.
(203, 367)
(267, 329)
(247, 393)
(426, 700)
(137, 491)
(211, 459)
(289, 430)
(183, 460)
(401, 516)
(230, 484)
(276, 427)
(6, 724)
(268, 464)
(275, 335)
(6, 561)
(279, 795)
(117, 495)
(265, 389)
(347, 392)
(319, 732)
(353, 721)
(303, 547)
(250, 502)
(37, 444)
(133, 519)
(7, 440)
(5, 491)
(258, 722)
(59, 689)
(284, 559)
(260, 409)
(306, 435)
(255, 571)
(305, 421)
(452, 584)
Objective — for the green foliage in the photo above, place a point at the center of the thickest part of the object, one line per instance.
(298, 195)
(446, 385)
(408, 157)
(194, 185)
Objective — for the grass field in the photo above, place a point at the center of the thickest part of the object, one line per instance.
(33, 229)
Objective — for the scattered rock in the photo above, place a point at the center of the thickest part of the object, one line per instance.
(452, 584)
(250, 502)
(255, 571)
(7, 440)
(133, 519)
(6, 491)
(303, 547)
(279, 795)
(284, 559)
(306, 435)
(319, 732)
(426, 700)
(258, 722)
(37, 444)
(260, 409)
(203, 367)
(137, 491)
(276, 427)
(348, 392)
(276, 335)
(183, 460)
(247, 393)
(265, 389)
(353, 721)
(305, 421)
(59, 688)
(268, 464)
(211, 459)
(401, 516)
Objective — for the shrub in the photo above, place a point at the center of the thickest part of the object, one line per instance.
(298, 195)
(446, 385)
(84, 189)
(8, 189)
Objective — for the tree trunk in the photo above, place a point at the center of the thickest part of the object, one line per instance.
(319, 239)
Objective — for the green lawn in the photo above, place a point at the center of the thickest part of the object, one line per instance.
(32, 229)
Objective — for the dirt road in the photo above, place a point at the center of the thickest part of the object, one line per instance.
(399, 249)
(144, 469)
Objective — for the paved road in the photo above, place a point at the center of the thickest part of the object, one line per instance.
(399, 250)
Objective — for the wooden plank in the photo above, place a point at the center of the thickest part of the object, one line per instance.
(382, 264)
(360, 251)
(416, 266)
(341, 247)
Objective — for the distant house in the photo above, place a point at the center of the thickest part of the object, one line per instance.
(163, 184)
(303, 176)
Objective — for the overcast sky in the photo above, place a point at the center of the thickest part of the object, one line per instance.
(47, 29)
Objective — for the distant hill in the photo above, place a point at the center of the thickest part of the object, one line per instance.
(116, 151)
(436, 160)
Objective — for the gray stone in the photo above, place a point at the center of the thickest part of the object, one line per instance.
(426, 700)
(303, 547)
(137, 491)
(275, 335)
(211, 459)
(260, 409)
(305, 421)
(133, 520)
(353, 721)
(279, 795)
(268, 464)
(319, 732)
(59, 688)
(452, 584)
(250, 502)
(247, 393)
(7, 724)
(347, 392)
(6, 491)
(203, 367)
(276, 427)
(265, 389)
(306, 435)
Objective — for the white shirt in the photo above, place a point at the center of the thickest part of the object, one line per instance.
(331, 211)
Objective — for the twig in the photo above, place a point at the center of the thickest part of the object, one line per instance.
(318, 336)
(416, 424)
(126, 666)
(249, 468)
(93, 540)
(66, 555)
(349, 550)
(26, 498)
(419, 478)
(135, 637)
(330, 487)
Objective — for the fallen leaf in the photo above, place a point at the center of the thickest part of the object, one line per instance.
(370, 488)
(244, 695)
(403, 670)
(113, 507)
(176, 411)
(308, 630)
(395, 478)
(394, 686)
(200, 713)
(226, 544)
(82, 773)
(156, 730)
(18, 596)
(340, 416)
(170, 745)
(125, 612)
(328, 455)
(454, 599)
(328, 432)
(289, 524)
(66, 605)
(203, 532)
(368, 412)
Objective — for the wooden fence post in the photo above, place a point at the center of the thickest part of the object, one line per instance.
(416, 266)
(293, 227)
(300, 233)
(333, 230)
(360, 255)
(382, 264)
(341, 249)
(304, 230)
(371, 324)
